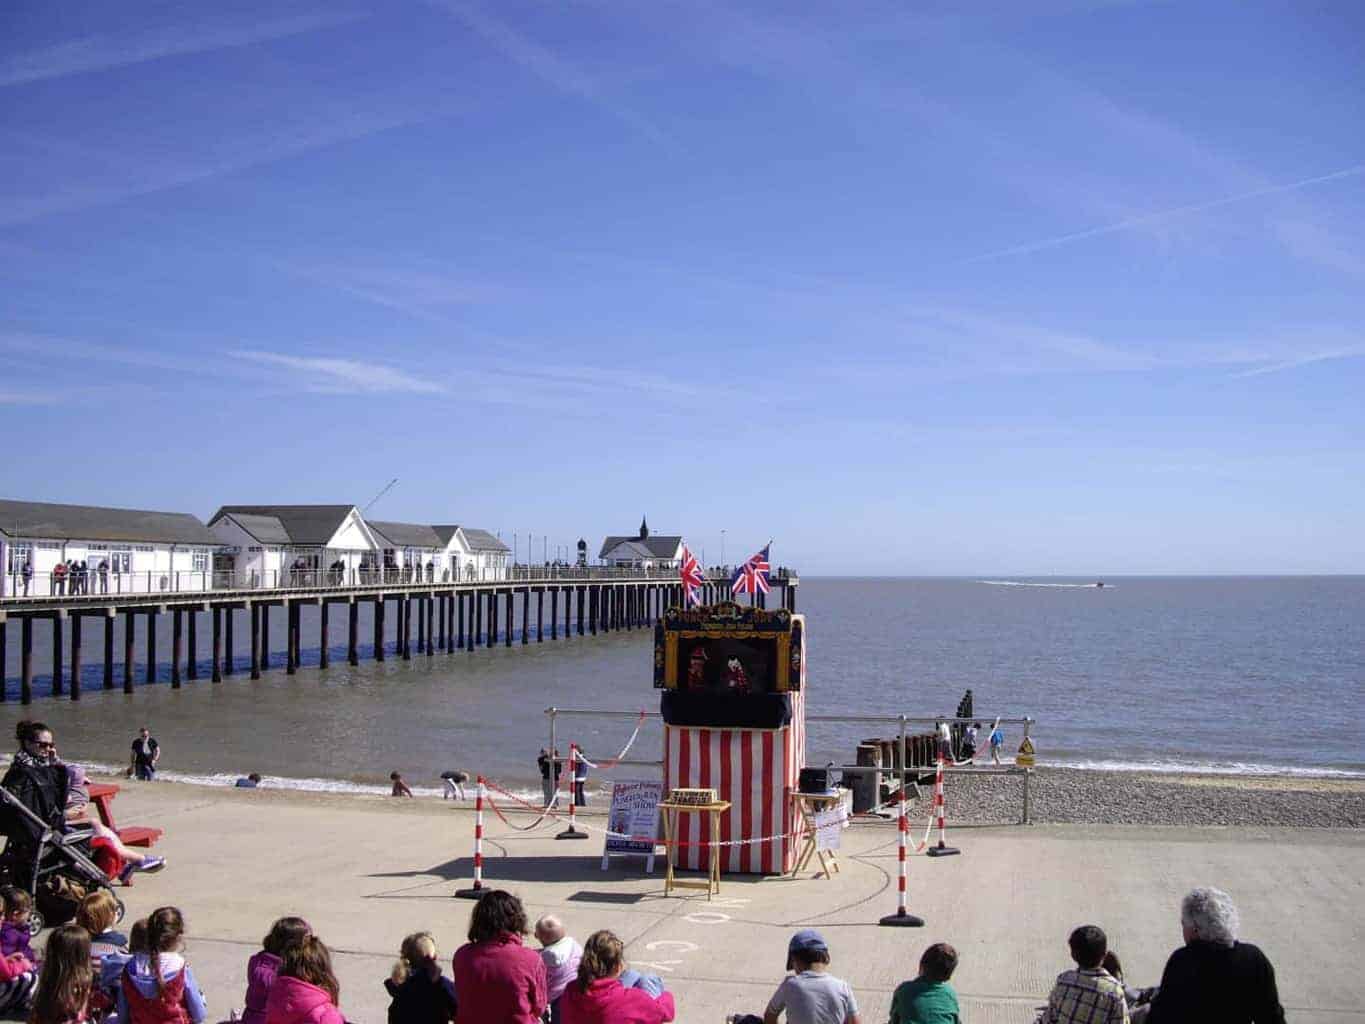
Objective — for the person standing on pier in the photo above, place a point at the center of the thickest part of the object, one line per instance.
(146, 753)
(104, 575)
(27, 574)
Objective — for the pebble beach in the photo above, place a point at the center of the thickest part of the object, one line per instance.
(1089, 796)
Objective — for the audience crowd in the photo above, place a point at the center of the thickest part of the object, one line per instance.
(88, 972)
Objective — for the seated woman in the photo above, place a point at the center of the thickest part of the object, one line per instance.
(601, 996)
(78, 813)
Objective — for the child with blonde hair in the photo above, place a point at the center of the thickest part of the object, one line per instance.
(97, 914)
(421, 995)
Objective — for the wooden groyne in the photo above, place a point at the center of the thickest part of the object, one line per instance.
(447, 616)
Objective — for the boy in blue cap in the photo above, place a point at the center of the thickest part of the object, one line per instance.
(811, 995)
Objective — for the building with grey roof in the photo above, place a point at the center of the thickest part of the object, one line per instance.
(115, 550)
(643, 551)
(275, 545)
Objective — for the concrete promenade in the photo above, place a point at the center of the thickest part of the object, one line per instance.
(365, 871)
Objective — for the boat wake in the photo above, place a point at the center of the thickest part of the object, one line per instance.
(1060, 586)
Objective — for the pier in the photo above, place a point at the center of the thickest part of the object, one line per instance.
(532, 604)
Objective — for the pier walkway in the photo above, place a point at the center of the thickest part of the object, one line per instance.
(450, 615)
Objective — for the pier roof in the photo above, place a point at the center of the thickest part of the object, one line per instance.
(654, 546)
(482, 540)
(407, 535)
(303, 524)
(39, 519)
(266, 529)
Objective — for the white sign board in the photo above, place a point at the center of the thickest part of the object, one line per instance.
(829, 825)
(633, 821)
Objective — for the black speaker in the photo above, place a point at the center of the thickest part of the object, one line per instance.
(815, 780)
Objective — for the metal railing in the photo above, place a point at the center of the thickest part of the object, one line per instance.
(98, 583)
(905, 773)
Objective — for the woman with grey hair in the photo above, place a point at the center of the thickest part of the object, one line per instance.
(1214, 977)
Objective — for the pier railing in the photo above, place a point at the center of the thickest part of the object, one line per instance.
(96, 583)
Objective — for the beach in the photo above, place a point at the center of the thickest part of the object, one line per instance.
(366, 870)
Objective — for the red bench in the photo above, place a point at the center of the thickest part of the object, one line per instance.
(102, 796)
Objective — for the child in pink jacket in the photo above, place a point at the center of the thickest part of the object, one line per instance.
(261, 969)
(305, 989)
(598, 997)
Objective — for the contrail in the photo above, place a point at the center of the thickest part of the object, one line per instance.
(1175, 211)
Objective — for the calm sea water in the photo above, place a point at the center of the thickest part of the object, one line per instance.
(1240, 674)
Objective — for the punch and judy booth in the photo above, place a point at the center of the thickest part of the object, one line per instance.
(733, 681)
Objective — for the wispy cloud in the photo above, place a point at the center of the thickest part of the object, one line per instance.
(36, 396)
(422, 288)
(104, 51)
(1306, 359)
(1157, 215)
(328, 375)
(156, 174)
(551, 68)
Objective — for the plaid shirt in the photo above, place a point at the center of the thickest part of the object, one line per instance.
(1087, 997)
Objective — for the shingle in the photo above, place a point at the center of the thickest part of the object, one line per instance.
(482, 540)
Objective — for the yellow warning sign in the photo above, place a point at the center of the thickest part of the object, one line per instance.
(1024, 759)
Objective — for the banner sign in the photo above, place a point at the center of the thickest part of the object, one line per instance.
(634, 813)
(829, 824)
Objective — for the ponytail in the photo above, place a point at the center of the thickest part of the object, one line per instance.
(165, 927)
(603, 957)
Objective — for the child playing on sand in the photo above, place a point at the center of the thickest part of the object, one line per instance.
(421, 995)
(157, 985)
(929, 999)
(285, 934)
(562, 955)
(997, 741)
(63, 992)
(400, 788)
(14, 932)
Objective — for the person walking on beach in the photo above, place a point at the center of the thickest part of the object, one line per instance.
(454, 784)
(146, 753)
(997, 740)
(969, 739)
(1214, 977)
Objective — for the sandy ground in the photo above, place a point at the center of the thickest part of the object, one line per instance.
(367, 870)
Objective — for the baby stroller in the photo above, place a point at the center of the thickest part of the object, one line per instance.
(43, 854)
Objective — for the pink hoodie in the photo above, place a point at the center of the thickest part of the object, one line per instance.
(606, 1002)
(295, 1001)
(260, 977)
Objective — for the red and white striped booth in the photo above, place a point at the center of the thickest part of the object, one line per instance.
(734, 721)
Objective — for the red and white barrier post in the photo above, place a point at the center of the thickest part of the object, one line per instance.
(477, 890)
(902, 918)
(572, 831)
(942, 849)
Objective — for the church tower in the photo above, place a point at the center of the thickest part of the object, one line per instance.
(644, 528)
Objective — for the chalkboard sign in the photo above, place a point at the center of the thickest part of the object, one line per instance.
(633, 821)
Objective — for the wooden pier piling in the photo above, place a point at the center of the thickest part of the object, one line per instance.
(177, 645)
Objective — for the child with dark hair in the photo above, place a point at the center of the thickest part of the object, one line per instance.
(157, 986)
(63, 992)
(929, 999)
(14, 932)
(400, 788)
(811, 995)
(261, 969)
(599, 995)
(1089, 994)
(306, 990)
(496, 977)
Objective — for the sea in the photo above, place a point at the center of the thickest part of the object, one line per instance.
(1243, 675)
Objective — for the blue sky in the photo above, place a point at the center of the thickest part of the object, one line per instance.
(1055, 287)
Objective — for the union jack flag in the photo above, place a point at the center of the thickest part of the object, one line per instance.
(690, 574)
(752, 576)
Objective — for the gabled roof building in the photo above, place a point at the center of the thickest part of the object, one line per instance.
(643, 551)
